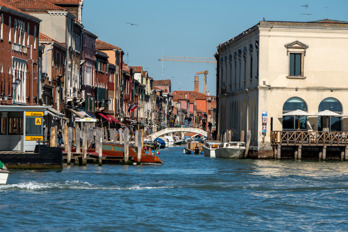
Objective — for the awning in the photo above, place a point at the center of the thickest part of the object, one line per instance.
(106, 118)
(55, 112)
(82, 116)
(113, 119)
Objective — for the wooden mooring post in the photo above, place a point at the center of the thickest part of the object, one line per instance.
(324, 152)
(346, 153)
(99, 140)
(84, 146)
(69, 142)
(78, 137)
(126, 145)
(140, 146)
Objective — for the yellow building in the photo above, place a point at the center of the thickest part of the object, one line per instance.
(272, 69)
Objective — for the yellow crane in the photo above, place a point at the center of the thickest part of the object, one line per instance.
(205, 73)
(192, 59)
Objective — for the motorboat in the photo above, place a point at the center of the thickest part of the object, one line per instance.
(114, 153)
(178, 141)
(160, 142)
(209, 148)
(230, 150)
(169, 140)
(4, 173)
(193, 148)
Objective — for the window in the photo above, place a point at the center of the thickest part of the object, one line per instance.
(329, 123)
(2, 27)
(296, 52)
(33, 126)
(294, 122)
(9, 29)
(28, 32)
(3, 125)
(295, 64)
(251, 62)
(35, 37)
(15, 126)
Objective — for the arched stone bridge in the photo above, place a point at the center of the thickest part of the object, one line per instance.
(177, 129)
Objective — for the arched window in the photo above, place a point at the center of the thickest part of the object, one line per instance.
(327, 123)
(294, 122)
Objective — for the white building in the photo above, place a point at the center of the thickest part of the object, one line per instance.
(276, 67)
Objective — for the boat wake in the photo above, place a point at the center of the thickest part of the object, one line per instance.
(71, 185)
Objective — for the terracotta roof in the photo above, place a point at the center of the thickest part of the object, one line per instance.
(137, 69)
(125, 67)
(191, 95)
(35, 5)
(162, 82)
(70, 2)
(329, 21)
(7, 5)
(101, 45)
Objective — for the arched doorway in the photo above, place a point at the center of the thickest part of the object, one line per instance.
(327, 123)
(294, 122)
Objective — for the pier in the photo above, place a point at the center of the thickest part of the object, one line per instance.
(321, 145)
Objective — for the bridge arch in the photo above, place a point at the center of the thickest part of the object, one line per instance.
(177, 129)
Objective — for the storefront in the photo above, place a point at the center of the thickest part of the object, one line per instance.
(21, 127)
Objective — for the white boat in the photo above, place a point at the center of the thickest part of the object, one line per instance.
(170, 140)
(4, 176)
(209, 148)
(230, 150)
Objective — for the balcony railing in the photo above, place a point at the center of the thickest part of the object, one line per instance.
(309, 138)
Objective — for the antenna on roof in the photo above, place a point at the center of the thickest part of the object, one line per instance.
(306, 6)
(327, 11)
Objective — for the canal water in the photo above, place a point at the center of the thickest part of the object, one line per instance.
(187, 193)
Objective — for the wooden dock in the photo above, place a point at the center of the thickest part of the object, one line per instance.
(321, 145)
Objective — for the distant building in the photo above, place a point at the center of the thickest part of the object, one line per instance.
(165, 85)
(274, 68)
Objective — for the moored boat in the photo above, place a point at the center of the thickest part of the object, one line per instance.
(114, 153)
(209, 148)
(193, 148)
(4, 173)
(230, 150)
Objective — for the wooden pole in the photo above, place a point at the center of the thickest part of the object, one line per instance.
(279, 151)
(342, 155)
(65, 136)
(126, 145)
(247, 145)
(242, 136)
(299, 155)
(84, 145)
(296, 155)
(77, 136)
(53, 137)
(139, 135)
(120, 133)
(324, 153)
(100, 155)
(69, 142)
(346, 153)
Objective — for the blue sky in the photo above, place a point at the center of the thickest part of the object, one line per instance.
(192, 28)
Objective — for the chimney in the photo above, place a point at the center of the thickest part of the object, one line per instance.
(196, 84)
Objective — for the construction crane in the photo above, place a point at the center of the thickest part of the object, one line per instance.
(188, 59)
(205, 73)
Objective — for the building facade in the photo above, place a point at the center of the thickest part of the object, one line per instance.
(274, 68)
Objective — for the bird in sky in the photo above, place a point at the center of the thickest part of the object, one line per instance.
(132, 24)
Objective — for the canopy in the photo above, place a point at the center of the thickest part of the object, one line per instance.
(106, 118)
(82, 116)
(297, 113)
(328, 113)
